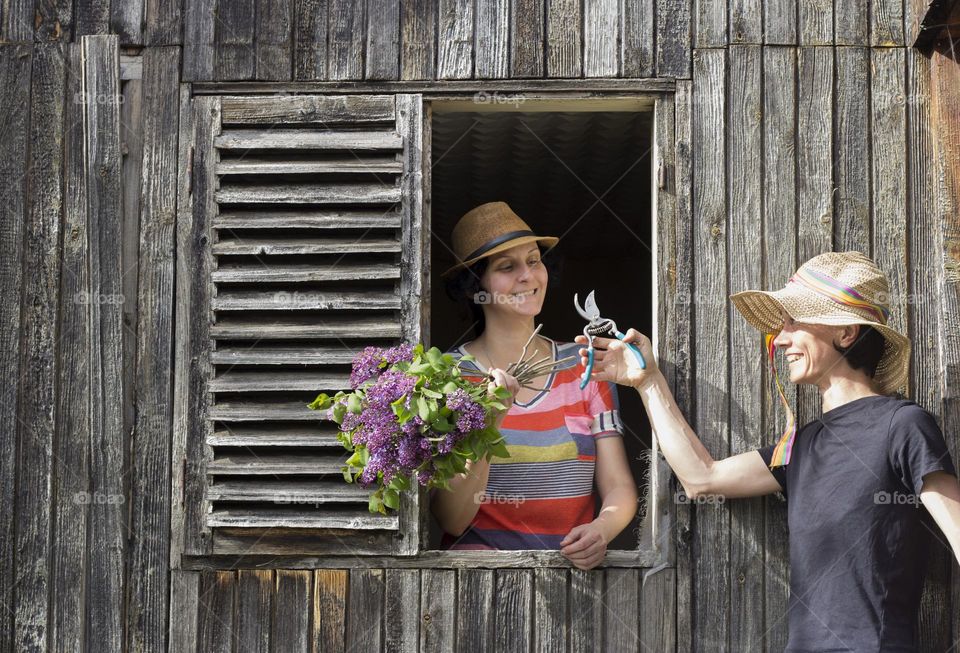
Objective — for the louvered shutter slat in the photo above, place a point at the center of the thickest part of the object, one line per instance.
(312, 204)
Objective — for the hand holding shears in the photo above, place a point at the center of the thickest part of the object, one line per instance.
(599, 326)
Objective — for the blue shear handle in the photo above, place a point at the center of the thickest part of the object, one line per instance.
(636, 352)
(586, 374)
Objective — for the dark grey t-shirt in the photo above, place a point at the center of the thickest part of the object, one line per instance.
(858, 532)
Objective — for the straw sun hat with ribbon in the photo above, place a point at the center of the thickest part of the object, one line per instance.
(836, 289)
(489, 229)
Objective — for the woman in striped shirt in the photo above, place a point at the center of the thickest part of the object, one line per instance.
(565, 443)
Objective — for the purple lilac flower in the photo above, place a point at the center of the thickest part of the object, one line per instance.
(366, 365)
(399, 353)
(472, 418)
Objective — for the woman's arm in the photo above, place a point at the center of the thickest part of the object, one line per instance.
(586, 545)
(941, 496)
(456, 508)
(743, 475)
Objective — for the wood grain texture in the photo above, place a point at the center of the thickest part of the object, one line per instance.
(586, 610)
(746, 21)
(383, 40)
(815, 22)
(273, 40)
(491, 39)
(163, 22)
(290, 623)
(886, 23)
(365, 610)
(850, 23)
(235, 51)
(780, 22)
(475, 615)
(674, 35)
(564, 38)
(217, 612)
(347, 28)
(198, 40)
(254, 607)
(108, 513)
(621, 602)
(150, 510)
(418, 48)
(455, 39)
(710, 23)
(310, 39)
(36, 465)
(512, 609)
(551, 632)
(851, 153)
(637, 53)
(744, 217)
(329, 610)
(402, 612)
(526, 38)
(601, 34)
(438, 610)
(711, 545)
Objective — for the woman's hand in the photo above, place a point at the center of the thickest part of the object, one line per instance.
(585, 546)
(613, 360)
(503, 380)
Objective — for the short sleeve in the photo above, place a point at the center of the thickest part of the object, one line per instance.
(604, 408)
(917, 447)
(779, 473)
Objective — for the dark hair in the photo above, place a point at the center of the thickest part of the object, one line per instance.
(464, 286)
(866, 351)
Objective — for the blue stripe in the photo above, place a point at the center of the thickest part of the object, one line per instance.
(512, 540)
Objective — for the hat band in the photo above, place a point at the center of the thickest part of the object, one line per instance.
(499, 240)
(839, 293)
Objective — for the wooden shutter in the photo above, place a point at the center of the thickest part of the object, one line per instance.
(299, 243)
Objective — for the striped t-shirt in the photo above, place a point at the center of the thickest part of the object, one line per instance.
(546, 486)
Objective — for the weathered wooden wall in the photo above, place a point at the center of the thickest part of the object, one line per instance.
(802, 127)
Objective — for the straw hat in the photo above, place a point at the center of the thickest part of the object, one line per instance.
(489, 229)
(836, 288)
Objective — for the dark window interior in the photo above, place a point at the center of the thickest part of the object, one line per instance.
(582, 176)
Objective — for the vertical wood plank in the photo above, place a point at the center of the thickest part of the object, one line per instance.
(710, 23)
(345, 39)
(455, 39)
(780, 22)
(601, 35)
(310, 40)
(163, 22)
(383, 40)
(913, 13)
(198, 40)
(814, 177)
(290, 624)
(513, 610)
(564, 38)
(235, 54)
(815, 22)
(108, 514)
(16, 21)
(780, 225)
(329, 610)
(638, 37)
(586, 610)
(621, 623)
(745, 157)
(184, 596)
(683, 378)
(254, 607)
(402, 617)
(711, 545)
(36, 466)
(551, 629)
(418, 46)
(658, 611)
(365, 610)
(217, 612)
(850, 23)
(746, 21)
(73, 417)
(90, 18)
(851, 151)
(274, 40)
(526, 38)
(886, 23)
(888, 168)
(438, 609)
(126, 21)
(491, 39)
(475, 620)
(147, 610)
(674, 35)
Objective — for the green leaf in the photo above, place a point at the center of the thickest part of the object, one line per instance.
(420, 368)
(499, 449)
(434, 355)
(364, 455)
(433, 394)
(347, 475)
(468, 357)
(391, 499)
(375, 504)
(400, 483)
(423, 408)
(339, 411)
(441, 425)
(354, 405)
(322, 402)
(449, 387)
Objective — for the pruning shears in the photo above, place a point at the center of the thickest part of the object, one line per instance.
(599, 326)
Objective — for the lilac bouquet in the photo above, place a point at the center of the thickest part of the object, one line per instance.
(412, 413)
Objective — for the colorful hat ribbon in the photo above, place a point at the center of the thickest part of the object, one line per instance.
(839, 293)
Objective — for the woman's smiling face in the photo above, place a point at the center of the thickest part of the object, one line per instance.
(809, 348)
(515, 281)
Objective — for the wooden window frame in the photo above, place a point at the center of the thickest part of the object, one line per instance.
(670, 219)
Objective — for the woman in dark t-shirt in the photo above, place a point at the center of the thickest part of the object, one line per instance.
(866, 483)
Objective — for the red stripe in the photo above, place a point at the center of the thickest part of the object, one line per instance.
(548, 516)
